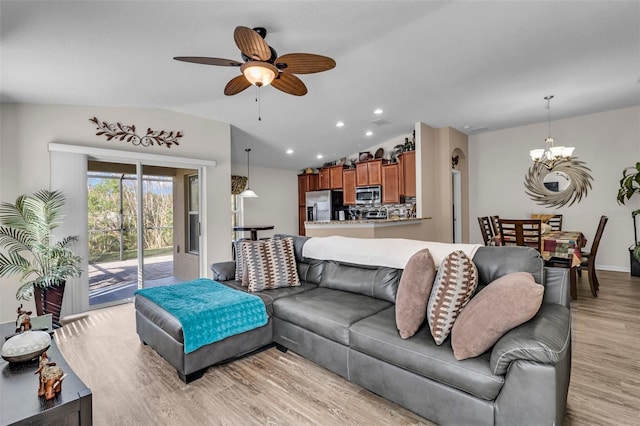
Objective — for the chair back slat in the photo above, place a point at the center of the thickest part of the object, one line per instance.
(485, 229)
(495, 224)
(521, 232)
(556, 222)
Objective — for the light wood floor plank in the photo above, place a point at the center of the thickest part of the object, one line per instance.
(132, 385)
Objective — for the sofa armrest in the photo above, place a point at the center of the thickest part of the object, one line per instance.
(544, 339)
(224, 271)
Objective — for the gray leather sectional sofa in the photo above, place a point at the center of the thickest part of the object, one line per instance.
(342, 317)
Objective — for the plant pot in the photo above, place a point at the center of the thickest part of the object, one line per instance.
(635, 264)
(49, 301)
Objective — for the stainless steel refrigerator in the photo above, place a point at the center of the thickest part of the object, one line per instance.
(323, 206)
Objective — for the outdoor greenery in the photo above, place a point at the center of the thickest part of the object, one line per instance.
(104, 218)
(31, 252)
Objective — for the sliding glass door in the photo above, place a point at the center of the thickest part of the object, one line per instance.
(132, 226)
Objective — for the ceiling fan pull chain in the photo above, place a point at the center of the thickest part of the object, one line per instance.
(258, 101)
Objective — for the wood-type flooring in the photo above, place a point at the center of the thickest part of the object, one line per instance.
(132, 385)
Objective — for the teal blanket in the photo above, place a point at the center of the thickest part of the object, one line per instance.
(208, 310)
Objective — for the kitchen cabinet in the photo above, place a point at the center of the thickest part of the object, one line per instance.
(324, 179)
(335, 177)
(407, 173)
(349, 186)
(369, 173)
(390, 184)
(306, 182)
(374, 169)
(330, 177)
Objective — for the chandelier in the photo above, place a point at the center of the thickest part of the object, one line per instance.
(550, 155)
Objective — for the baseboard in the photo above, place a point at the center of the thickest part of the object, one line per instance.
(613, 268)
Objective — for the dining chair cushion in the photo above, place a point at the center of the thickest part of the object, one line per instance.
(270, 264)
(455, 283)
(499, 307)
(413, 293)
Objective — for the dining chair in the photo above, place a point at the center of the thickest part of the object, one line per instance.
(485, 229)
(588, 261)
(555, 222)
(521, 232)
(494, 223)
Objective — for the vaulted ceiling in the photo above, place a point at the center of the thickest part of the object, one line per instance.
(471, 65)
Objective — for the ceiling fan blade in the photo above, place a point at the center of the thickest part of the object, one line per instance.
(289, 83)
(304, 63)
(236, 85)
(209, 61)
(251, 44)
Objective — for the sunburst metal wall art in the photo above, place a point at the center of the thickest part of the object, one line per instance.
(575, 171)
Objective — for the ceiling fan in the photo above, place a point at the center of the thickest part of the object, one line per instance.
(262, 65)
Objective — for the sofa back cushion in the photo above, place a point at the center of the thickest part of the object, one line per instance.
(495, 262)
(309, 270)
(379, 282)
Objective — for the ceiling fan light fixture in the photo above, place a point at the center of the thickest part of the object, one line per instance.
(259, 73)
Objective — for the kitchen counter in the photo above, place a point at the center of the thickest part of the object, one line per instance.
(372, 228)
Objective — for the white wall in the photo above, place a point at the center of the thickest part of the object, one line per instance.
(26, 131)
(277, 202)
(608, 142)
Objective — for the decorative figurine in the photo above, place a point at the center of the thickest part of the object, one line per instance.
(23, 323)
(51, 378)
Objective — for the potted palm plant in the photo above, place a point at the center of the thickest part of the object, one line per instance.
(629, 186)
(44, 265)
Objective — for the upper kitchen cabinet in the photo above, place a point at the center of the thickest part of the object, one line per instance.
(390, 184)
(407, 173)
(369, 173)
(349, 186)
(330, 177)
(335, 177)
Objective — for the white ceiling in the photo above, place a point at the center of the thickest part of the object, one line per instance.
(471, 65)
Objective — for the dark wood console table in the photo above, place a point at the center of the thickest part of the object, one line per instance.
(19, 400)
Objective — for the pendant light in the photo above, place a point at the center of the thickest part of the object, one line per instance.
(550, 155)
(248, 193)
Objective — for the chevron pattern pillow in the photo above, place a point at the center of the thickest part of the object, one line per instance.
(453, 287)
(270, 264)
(240, 263)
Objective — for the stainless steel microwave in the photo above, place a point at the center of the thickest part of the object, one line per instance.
(366, 195)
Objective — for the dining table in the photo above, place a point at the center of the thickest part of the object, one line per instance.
(253, 229)
(562, 249)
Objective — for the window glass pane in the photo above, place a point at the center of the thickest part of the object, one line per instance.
(193, 233)
(193, 193)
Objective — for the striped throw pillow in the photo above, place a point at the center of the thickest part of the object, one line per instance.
(453, 287)
(270, 264)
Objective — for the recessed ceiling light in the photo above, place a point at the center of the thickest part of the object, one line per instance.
(289, 151)
(369, 133)
(378, 111)
(339, 124)
(319, 156)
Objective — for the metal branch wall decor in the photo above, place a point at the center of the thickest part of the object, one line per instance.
(575, 171)
(128, 133)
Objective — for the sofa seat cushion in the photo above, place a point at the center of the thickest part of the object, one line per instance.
(269, 296)
(328, 313)
(378, 337)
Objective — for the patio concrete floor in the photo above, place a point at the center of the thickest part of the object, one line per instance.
(113, 281)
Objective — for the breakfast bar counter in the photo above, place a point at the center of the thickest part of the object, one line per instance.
(372, 228)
